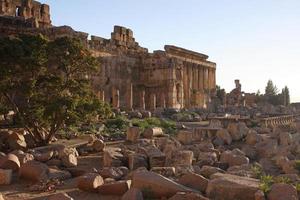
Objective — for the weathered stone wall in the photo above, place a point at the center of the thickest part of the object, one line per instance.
(130, 76)
(27, 9)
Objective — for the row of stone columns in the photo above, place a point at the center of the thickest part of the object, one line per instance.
(278, 121)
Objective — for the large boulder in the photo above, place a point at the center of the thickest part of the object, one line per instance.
(10, 161)
(153, 132)
(90, 182)
(207, 171)
(43, 156)
(16, 140)
(224, 136)
(282, 191)
(68, 157)
(98, 145)
(229, 187)
(185, 137)
(183, 157)
(118, 188)
(137, 160)
(252, 137)
(207, 158)
(158, 185)
(237, 130)
(233, 158)
(113, 157)
(34, 171)
(133, 134)
(195, 181)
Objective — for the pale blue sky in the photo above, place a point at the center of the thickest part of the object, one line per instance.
(250, 40)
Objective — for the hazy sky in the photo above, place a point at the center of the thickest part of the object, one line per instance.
(250, 40)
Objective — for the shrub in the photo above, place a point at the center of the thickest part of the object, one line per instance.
(117, 126)
(297, 165)
(168, 126)
(257, 170)
(265, 183)
(283, 179)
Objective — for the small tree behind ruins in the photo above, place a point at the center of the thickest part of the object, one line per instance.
(273, 96)
(47, 85)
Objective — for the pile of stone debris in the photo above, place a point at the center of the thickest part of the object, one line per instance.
(152, 165)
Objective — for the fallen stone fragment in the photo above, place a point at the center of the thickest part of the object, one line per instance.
(153, 132)
(112, 158)
(185, 137)
(282, 191)
(164, 171)
(90, 182)
(158, 185)
(224, 136)
(136, 161)
(24, 157)
(233, 158)
(55, 173)
(207, 171)
(69, 160)
(10, 161)
(133, 194)
(44, 156)
(98, 145)
(34, 171)
(5, 176)
(133, 134)
(183, 158)
(16, 140)
(195, 181)
(111, 172)
(229, 187)
(118, 188)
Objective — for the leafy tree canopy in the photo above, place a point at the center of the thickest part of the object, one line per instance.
(46, 83)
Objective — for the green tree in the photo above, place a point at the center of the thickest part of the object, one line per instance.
(271, 89)
(271, 94)
(47, 84)
(285, 96)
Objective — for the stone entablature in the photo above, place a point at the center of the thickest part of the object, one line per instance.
(130, 76)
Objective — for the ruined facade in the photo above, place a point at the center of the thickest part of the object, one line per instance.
(239, 98)
(131, 77)
(29, 10)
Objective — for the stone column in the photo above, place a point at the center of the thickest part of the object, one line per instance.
(142, 104)
(129, 98)
(115, 98)
(101, 95)
(161, 99)
(195, 80)
(206, 79)
(152, 101)
(171, 95)
(200, 78)
(209, 78)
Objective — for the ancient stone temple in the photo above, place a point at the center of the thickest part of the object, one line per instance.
(130, 77)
